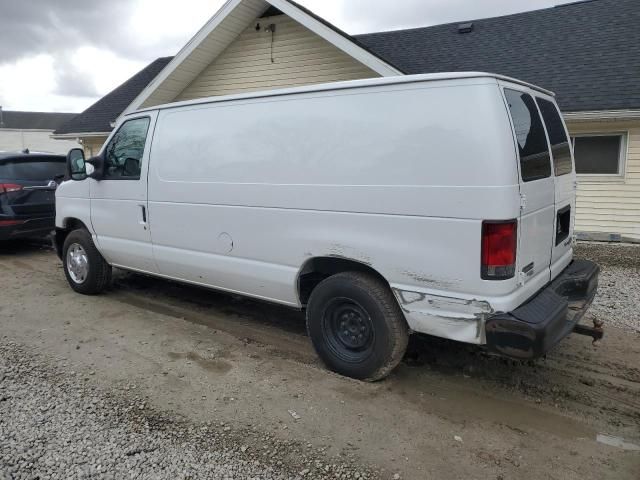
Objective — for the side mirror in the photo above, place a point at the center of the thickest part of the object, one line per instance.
(76, 168)
(97, 164)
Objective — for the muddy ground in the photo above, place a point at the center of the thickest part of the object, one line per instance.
(450, 411)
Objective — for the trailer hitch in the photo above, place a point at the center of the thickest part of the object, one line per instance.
(596, 332)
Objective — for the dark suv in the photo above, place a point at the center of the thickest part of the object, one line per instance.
(28, 183)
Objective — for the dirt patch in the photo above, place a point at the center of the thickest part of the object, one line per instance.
(449, 411)
(211, 364)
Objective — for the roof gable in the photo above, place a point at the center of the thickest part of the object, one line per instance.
(588, 53)
(224, 27)
(274, 52)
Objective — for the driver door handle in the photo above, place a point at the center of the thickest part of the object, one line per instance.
(143, 209)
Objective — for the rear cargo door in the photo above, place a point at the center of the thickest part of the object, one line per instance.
(537, 188)
(565, 178)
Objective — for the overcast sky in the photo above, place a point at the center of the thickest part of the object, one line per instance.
(63, 55)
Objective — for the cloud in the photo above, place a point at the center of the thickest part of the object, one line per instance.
(72, 81)
(37, 26)
(133, 29)
(68, 53)
(29, 84)
(65, 54)
(360, 16)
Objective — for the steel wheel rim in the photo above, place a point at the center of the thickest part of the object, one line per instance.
(77, 263)
(348, 330)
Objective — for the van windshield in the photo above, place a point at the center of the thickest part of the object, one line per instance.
(535, 160)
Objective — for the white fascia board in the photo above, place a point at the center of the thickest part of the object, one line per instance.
(175, 63)
(602, 115)
(35, 130)
(67, 136)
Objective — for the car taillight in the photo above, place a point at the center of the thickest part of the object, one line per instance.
(499, 242)
(9, 187)
(10, 223)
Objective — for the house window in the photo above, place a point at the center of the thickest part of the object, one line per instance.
(600, 154)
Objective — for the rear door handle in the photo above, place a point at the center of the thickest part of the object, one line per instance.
(144, 214)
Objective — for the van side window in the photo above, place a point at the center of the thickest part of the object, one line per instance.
(535, 160)
(557, 137)
(123, 156)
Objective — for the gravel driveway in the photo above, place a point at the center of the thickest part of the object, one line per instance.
(618, 299)
(55, 426)
(158, 380)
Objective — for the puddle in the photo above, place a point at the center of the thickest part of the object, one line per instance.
(617, 442)
(212, 365)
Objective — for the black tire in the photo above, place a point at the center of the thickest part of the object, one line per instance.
(98, 275)
(356, 326)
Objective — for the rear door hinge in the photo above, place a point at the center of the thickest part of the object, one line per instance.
(523, 202)
(522, 279)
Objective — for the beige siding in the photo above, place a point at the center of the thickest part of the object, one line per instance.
(92, 145)
(34, 140)
(207, 51)
(300, 57)
(611, 205)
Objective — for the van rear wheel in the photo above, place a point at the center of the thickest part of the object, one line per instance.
(86, 270)
(356, 326)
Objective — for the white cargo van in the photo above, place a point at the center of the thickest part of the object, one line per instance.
(441, 204)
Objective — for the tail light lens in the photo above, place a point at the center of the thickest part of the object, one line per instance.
(10, 223)
(499, 243)
(9, 187)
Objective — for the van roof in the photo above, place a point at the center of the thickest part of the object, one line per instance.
(399, 80)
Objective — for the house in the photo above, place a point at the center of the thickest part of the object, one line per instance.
(587, 52)
(93, 126)
(32, 130)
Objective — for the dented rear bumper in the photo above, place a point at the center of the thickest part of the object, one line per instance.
(537, 326)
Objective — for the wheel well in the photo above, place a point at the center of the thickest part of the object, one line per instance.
(317, 269)
(70, 225)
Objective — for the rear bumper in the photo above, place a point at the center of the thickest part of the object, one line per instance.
(34, 227)
(537, 326)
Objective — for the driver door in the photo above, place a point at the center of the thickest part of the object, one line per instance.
(119, 211)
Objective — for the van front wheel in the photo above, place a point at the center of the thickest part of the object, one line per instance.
(86, 270)
(356, 326)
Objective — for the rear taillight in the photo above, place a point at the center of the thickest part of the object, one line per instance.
(11, 223)
(9, 187)
(499, 242)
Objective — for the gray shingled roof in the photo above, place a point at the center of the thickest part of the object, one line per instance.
(586, 52)
(99, 116)
(33, 120)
